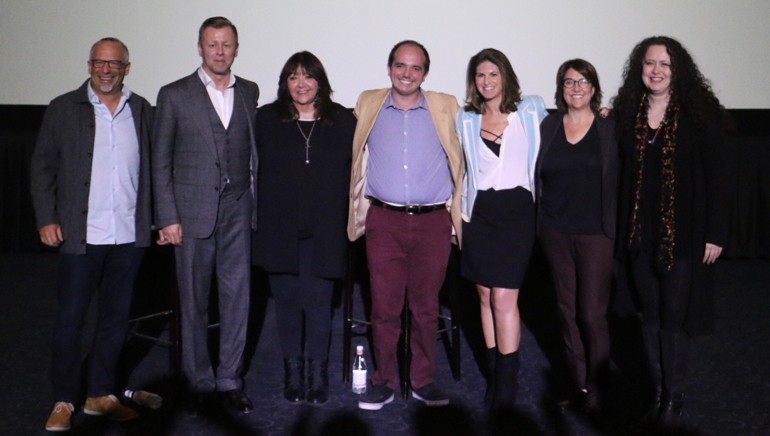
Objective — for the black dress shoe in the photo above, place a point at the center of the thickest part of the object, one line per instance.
(236, 400)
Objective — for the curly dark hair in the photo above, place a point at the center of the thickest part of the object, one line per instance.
(324, 107)
(689, 88)
(474, 102)
(585, 69)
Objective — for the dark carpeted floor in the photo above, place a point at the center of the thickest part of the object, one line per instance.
(728, 383)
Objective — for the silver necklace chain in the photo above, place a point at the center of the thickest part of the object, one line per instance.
(307, 140)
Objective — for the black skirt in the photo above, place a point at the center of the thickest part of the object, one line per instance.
(499, 240)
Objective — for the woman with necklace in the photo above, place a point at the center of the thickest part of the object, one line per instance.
(499, 131)
(673, 220)
(577, 186)
(304, 143)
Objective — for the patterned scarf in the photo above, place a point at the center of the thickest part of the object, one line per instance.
(668, 127)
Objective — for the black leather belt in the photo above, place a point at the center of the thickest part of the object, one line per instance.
(415, 209)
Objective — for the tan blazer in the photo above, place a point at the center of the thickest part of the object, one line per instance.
(443, 109)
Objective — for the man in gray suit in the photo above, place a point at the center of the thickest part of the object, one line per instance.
(204, 162)
(90, 185)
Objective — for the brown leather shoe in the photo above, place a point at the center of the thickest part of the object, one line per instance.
(60, 417)
(110, 407)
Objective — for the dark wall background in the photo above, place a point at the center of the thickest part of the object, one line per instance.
(18, 131)
(749, 142)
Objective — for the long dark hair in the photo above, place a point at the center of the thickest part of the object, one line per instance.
(689, 88)
(324, 107)
(474, 102)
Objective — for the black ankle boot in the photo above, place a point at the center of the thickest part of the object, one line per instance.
(671, 409)
(506, 380)
(318, 381)
(652, 411)
(294, 379)
(491, 356)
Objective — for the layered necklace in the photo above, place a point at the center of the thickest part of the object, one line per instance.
(307, 140)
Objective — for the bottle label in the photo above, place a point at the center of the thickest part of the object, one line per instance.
(359, 379)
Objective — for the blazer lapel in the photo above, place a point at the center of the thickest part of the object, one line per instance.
(372, 110)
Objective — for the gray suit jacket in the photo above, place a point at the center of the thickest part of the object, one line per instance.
(61, 167)
(185, 165)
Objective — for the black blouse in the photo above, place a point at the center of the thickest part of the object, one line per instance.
(572, 184)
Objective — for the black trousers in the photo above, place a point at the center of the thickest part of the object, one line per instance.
(303, 305)
(664, 299)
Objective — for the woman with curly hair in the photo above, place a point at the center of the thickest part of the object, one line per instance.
(673, 220)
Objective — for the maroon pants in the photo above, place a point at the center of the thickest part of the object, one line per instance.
(581, 269)
(408, 256)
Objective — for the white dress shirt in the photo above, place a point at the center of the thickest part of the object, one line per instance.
(222, 101)
(114, 174)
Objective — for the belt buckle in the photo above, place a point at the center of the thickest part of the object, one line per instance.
(412, 209)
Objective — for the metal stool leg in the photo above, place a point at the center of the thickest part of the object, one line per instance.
(355, 275)
(347, 327)
(449, 324)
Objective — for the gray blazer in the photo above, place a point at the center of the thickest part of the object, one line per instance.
(61, 167)
(185, 165)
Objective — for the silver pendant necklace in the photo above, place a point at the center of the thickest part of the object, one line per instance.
(307, 140)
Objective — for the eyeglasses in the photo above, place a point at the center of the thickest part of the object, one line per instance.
(113, 65)
(582, 83)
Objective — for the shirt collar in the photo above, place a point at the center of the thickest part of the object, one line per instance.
(423, 104)
(207, 81)
(94, 99)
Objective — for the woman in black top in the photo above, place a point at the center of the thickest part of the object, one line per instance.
(577, 184)
(304, 141)
(673, 219)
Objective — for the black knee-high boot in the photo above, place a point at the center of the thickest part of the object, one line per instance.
(491, 356)
(506, 380)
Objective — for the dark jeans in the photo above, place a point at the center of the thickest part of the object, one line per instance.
(303, 300)
(110, 270)
(408, 257)
(581, 270)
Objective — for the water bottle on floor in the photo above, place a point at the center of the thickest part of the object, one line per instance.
(359, 371)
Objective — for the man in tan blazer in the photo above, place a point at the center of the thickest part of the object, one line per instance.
(405, 195)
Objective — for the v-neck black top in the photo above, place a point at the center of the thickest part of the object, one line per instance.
(572, 184)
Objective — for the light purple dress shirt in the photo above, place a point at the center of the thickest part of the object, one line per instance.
(407, 164)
